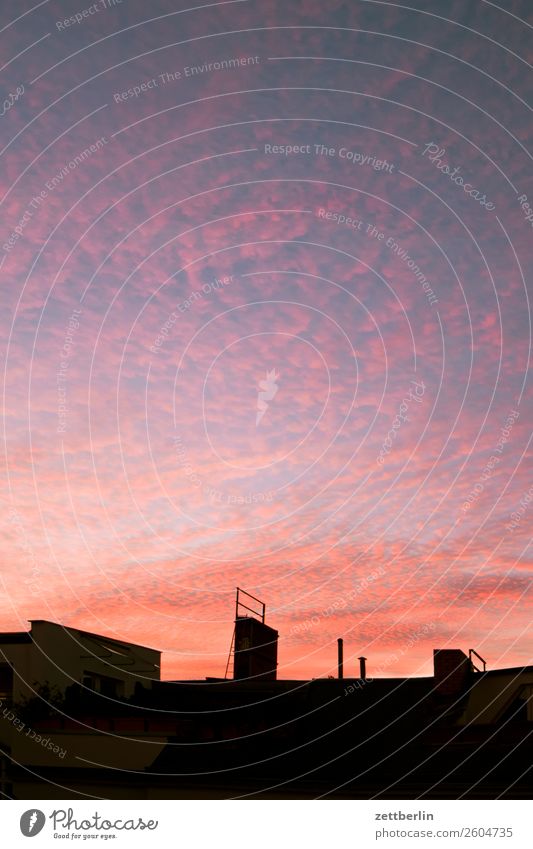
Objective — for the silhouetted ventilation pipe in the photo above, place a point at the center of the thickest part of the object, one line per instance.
(340, 657)
(362, 668)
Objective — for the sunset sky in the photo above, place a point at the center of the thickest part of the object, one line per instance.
(175, 184)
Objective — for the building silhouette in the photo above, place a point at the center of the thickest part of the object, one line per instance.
(118, 731)
(62, 656)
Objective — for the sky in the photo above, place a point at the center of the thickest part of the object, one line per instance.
(265, 323)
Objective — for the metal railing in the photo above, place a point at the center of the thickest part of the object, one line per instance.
(230, 665)
(474, 667)
(239, 603)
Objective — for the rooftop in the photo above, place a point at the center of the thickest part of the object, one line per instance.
(13, 637)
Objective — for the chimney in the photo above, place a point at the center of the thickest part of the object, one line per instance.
(256, 650)
(451, 671)
(340, 657)
(362, 668)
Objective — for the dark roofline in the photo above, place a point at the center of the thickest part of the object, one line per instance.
(506, 669)
(92, 635)
(15, 637)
